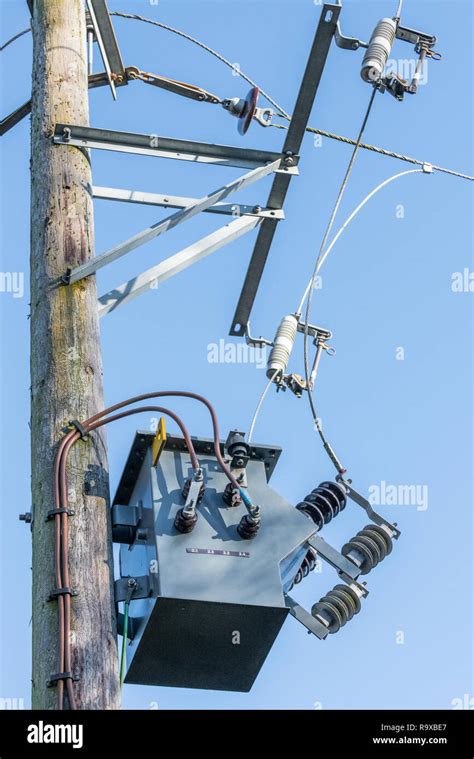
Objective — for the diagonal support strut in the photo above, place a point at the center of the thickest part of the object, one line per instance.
(152, 278)
(201, 204)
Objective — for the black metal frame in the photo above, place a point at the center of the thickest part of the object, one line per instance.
(102, 16)
(143, 441)
(325, 32)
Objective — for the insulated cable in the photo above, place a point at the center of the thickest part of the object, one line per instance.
(215, 425)
(259, 406)
(12, 39)
(61, 516)
(327, 447)
(62, 542)
(398, 12)
(348, 221)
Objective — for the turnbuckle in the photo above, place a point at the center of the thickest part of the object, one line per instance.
(173, 85)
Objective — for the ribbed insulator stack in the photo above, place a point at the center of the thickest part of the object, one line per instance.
(324, 503)
(337, 607)
(380, 47)
(368, 548)
(282, 347)
(307, 566)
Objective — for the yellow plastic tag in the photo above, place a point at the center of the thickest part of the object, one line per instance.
(158, 442)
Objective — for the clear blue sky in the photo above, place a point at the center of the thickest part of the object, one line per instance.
(386, 285)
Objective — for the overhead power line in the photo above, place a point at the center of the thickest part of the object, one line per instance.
(382, 151)
(357, 144)
(259, 406)
(281, 111)
(12, 39)
(348, 221)
(307, 294)
(334, 240)
(327, 447)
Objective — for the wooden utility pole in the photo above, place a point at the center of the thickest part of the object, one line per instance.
(66, 370)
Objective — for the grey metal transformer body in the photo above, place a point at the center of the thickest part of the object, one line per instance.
(206, 606)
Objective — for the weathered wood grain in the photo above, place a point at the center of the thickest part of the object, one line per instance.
(66, 368)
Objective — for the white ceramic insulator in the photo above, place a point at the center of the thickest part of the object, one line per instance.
(380, 47)
(282, 346)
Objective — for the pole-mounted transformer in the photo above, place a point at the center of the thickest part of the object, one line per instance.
(202, 608)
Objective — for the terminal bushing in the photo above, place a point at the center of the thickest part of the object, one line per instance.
(248, 527)
(185, 522)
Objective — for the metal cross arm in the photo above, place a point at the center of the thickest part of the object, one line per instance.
(168, 147)
(152, 278)
(325, 32)
(169, 222)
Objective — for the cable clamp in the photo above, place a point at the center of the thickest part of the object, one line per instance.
(52, 513)
(54, 679)
(132, 585)
(61, 592)
(78, 426)
(66, 277)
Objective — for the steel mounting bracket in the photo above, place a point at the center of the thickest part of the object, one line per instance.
(361, 501)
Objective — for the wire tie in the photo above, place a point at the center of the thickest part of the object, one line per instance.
(78, 426)
(61, 592)
(51, 514)
(54, 679)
